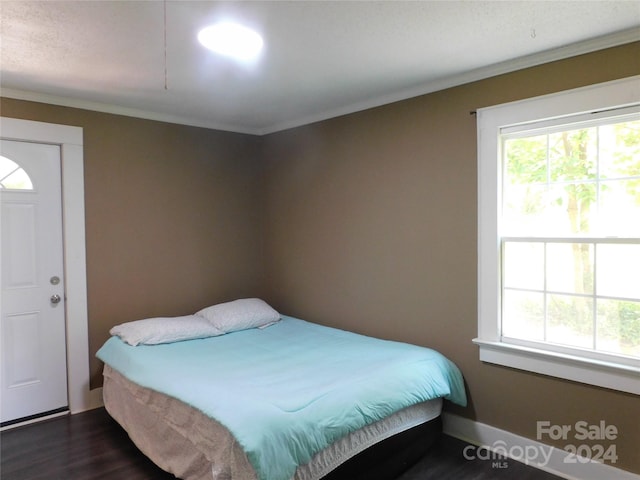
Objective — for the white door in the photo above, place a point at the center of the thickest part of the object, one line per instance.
(32, 329)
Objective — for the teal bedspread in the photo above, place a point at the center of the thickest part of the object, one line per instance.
(289, 390)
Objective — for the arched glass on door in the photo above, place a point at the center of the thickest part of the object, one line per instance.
(13, 176)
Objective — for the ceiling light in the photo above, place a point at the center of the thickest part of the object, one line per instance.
(232, 40)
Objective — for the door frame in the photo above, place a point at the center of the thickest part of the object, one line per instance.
(70, 140)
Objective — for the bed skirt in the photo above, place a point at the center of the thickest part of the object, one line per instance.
(192, 446)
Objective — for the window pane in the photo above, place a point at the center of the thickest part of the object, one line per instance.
(525, 199)
(620, 150)
(571, 208)
(525, 209)
(540, 210)
(618, 327)
(523, 315)
(12, 176)
(619, 213)
(524, 265)
(557, 209)
(18, 180)
(618, 268)
(570, 267)
(526, 160)
(573, 155)
(7, 166)
(570, 320)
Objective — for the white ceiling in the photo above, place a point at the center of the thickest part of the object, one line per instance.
(321, 58)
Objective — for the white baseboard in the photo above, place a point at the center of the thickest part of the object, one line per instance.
(536, 454)
(91, 400)
(95, 399)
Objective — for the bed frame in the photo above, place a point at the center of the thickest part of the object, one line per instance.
(390, 458)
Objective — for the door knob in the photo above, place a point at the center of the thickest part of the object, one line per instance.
(55, 299)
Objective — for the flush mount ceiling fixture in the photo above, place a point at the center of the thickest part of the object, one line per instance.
(232, 40)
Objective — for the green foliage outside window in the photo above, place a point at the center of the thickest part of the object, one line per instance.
(582, 182)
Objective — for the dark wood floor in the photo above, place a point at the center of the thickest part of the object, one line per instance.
(445, 461)
(92, 446)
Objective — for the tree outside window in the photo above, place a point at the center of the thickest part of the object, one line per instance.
(571, 201)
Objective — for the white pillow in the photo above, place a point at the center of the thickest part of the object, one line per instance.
(240, 314)
(152, 331)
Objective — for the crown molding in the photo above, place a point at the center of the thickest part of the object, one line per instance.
(120, 110)
(520, 63)
(567, 51)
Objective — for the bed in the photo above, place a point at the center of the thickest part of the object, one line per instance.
(228, 393)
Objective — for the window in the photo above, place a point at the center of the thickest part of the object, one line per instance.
(559, 235)
(12, 176)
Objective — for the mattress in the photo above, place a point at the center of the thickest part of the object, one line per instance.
(184, 441)
(282, 395)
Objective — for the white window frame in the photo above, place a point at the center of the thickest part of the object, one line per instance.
(569, 363)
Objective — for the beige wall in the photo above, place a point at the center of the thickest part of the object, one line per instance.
(171, 218)
(365, 222)
(372, 227)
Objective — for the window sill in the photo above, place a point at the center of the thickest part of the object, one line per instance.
(615, 376)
